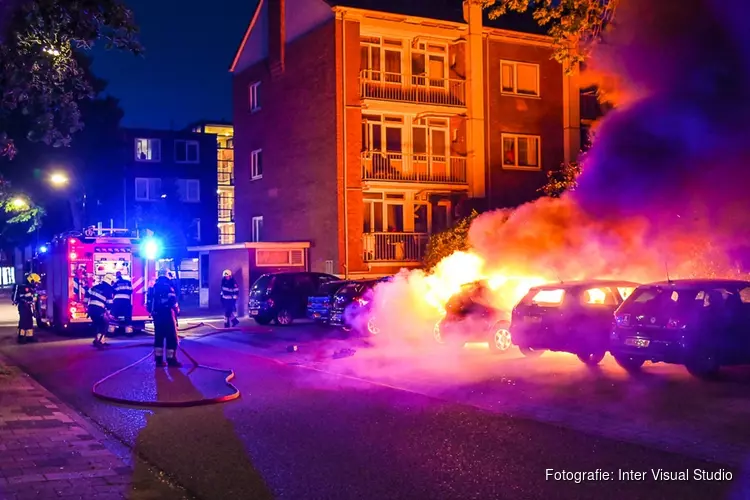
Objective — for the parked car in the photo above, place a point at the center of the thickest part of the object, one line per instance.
(282, 297)
(702, 324)
(471, 317)
(319, 304)
(355, 300)
(574, 317)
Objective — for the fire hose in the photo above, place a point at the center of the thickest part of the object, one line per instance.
(171, 404)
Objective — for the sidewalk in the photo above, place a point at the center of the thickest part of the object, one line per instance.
(48, 451)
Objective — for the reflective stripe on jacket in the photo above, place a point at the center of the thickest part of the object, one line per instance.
(123, 290)
(229, 289)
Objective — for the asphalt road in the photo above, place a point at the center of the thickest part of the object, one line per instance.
(314, 427)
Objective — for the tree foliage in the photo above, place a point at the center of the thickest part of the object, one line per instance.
(17, 214)
(41, 81)
(574, 25)
(563, 179)
(452, 240)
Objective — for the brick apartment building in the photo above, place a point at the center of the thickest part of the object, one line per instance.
(363, 127)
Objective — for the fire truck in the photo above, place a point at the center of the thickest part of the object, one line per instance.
(79, 260)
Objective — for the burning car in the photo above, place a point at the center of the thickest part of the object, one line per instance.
(352, 305)
(471, 316)
(701, 324)
(319, 305)
(574, 317)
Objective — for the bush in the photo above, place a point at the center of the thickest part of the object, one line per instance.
(443, 244)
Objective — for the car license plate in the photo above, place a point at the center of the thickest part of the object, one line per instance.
(534, 319)
(254, 312)
(637, 342)
(336, 317)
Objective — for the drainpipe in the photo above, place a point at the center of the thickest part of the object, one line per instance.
(344, 141)
(475, 99)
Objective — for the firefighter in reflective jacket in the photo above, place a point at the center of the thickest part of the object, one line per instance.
(100, 303)
(229, 294)
(122, 304)
(23, 297)
(164, 309)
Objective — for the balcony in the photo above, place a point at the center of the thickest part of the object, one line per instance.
(416, 88)
(394, 247)
(226, 179)
(400, 167)
(226, 215)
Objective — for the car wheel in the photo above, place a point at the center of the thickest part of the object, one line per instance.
(284, 317)
(500, 340)
(703, 365)
(531, 353)
(592, 358)
(630, 363)
(262, 320)
(372, 326)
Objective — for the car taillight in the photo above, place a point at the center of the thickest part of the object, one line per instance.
(622, 320)
(676, 324)
(309, 303)
(326, 303)
(361, 301)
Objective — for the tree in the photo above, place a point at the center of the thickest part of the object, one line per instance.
(574, 25)
(40, 76)
(563, 179)
(452, 240)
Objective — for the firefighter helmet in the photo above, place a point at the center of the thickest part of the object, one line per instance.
(33, 278)
(109, 279)
(226, 274)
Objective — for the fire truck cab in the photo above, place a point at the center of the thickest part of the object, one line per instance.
(77, 261)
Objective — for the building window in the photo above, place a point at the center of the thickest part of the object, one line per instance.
(256, 164)
(380, 59)
(186, 152)
(253, 94)
(428, 65)
(519, 78)
(521, 151)
(148, 150)
(257, 230)
(147, 189)
(226, 234)
(189, 190)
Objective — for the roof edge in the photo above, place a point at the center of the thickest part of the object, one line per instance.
(245, 38)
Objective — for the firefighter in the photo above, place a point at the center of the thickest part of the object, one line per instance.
(100, 303)
(122, 303)
(23, 297)
(229, 295)
(164, 309)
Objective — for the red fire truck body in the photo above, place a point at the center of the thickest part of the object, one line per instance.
(79, 262)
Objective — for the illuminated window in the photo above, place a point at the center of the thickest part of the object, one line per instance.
(148, 150)
(256, 164)
(519, 78)
(189, 190)
(521, 151)
(253, 95)
(257, 228)
(186, 152)
(226, 234)
(147, 189)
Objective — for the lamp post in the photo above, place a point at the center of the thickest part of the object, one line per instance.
(60, 180)
(20, 203)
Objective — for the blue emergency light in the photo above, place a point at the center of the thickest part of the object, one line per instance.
(150, 249)
(43, 249)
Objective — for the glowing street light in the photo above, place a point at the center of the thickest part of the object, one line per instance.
(59, 179)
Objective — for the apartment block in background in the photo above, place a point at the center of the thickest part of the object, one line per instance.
(225, 176)
(365, 131)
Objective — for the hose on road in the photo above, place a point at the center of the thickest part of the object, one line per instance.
(171, 404)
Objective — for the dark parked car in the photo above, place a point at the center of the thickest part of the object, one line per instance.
(354, 300)
(574, 317)
(282, 297)
(471, 317)
(319, 304)
(702, 324)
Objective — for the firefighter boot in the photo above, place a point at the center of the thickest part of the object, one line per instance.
(226, 322)
(159, 356)
(235, 321)
(172, 359)
(21, 336)
(30, 336)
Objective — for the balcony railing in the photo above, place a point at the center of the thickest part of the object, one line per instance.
(226, 215)
(416, 88)
(394, 247)
(413, 167)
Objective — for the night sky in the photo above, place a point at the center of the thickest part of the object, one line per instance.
(184, 75)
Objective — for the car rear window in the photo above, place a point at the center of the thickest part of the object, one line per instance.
(547, 297)
(350, 290)
(652, 300)
(330, 287)
(599, 295)
(261, 285)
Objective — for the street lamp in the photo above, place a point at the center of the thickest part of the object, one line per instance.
(59, 179)
(20, 203)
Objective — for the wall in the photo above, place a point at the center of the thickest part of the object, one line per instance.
(295, 128)
(522, 115)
